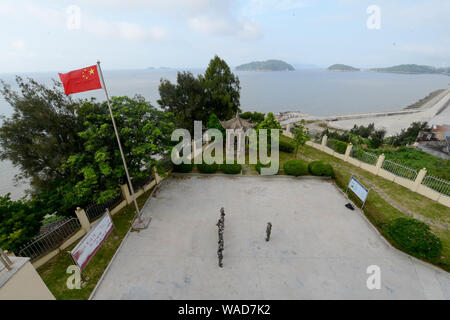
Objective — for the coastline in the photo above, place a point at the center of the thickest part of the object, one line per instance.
(435, 110)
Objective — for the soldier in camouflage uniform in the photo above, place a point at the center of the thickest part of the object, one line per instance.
(219, 253)
(268, 231)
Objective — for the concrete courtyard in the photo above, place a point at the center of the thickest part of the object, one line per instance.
(319, 249)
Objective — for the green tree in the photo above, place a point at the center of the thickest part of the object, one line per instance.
(254, 117)
(269, 123)
(95, 173)
(41, 134)
(19, 223)
(300, 137)
(185, 99)
(214, 123)
(377, 138)
(409, 135)
(222, 89)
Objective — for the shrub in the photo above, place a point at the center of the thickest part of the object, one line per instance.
(183, 167)
(286, 146)
(208, 168)
(234, 168)
(295, 168)
(320, 168)
(414, 237)
(339, 146)
(259, 165)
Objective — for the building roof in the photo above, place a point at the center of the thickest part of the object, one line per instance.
(237, 123)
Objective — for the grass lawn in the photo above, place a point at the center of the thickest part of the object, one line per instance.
(54, 272)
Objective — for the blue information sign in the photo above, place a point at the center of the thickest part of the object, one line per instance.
(358, 189)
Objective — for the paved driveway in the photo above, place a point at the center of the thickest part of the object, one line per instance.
(318, 250)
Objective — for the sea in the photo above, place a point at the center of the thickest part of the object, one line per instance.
(312, 91)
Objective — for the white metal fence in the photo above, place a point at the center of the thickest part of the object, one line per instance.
(399, 170)
(95, 210)
(364, 156)
(50, 240)
(437, 184)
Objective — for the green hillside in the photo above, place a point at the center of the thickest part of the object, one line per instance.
(269, 65)
(412, 68)
(342, 67)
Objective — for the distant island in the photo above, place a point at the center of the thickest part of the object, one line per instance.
(342, 68)
(412, 69)
(269, 65)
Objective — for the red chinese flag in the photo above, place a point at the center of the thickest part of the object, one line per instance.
(81, 80)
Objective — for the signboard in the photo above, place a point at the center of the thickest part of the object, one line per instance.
(91, 242)
(358, 189)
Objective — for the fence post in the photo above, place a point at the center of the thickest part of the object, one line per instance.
(422, 173)
(347, 151)
(380, 163)
(82, 217)
(324, 142)
(156, 175)
(126, 193)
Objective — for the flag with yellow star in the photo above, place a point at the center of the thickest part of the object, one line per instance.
(81, 80)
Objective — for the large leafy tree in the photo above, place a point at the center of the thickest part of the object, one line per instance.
(42, 132)
(185, 99)
(269, 123)
(196, 98)
(95, 173)
(254, 117)
(222, 89)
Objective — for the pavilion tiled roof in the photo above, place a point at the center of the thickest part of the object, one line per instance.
(237, 123)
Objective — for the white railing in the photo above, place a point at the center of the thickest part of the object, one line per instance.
(50, 240)
(399, 170)
(437, 184)
(364, 156)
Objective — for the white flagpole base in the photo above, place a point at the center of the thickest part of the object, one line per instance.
(141, 225)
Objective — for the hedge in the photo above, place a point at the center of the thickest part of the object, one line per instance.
(183, 167)
(234, 168)
(259, 165)
(338, 146)
(320, 168)
(295, 168)
(414, 237)
(208, 168)
(286, 146)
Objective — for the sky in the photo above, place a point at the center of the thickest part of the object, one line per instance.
(60, 35)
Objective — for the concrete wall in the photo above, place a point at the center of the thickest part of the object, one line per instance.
(23, 283)
(414, 186)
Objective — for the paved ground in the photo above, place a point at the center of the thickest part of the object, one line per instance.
(319, 249)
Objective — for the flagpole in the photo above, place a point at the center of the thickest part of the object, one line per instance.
(140, 223)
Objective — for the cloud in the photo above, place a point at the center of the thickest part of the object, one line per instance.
(18, 45)
(257, 7)
(124, 30)
(226, 26)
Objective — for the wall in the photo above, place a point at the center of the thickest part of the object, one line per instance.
(24, 283)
